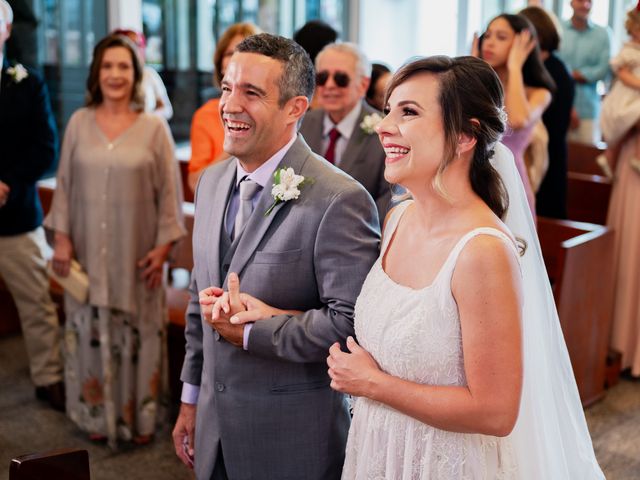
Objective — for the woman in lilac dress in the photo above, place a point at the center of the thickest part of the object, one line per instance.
(510, 46)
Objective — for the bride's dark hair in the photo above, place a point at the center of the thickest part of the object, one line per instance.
(471, 100)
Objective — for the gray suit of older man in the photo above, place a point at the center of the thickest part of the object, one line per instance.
(270, 409)
(363, 157)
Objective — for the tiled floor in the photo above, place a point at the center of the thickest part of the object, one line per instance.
(27, 425)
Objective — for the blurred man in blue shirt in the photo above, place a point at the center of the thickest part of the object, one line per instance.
(585, 48)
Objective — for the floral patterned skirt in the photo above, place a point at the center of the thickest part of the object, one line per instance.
(116, 369)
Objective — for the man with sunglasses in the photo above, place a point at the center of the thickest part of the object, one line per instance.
(335, 129)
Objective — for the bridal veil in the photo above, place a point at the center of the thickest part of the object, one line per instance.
(551, 438)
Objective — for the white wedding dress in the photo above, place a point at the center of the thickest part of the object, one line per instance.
(415, 335)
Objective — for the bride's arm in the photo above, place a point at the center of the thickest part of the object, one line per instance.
(487, 289)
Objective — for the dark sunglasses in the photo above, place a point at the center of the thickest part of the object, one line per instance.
(341, 79)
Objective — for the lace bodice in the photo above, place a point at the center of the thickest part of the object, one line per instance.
(415, 335)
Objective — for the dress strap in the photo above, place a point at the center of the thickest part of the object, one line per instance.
(392, 223)
(452, 259)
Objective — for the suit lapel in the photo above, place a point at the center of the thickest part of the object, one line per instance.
(215, 223)
(356, 144)
(313, 134)
(259, 223)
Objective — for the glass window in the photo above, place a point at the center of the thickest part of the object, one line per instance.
(330, 11)
(427, 31)
(72, 34)
(51, 32)
(514, 6)
(206, 40)
(599, 11)
(152, 28)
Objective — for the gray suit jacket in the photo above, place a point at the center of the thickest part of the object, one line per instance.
(363, 157)
(271, 408)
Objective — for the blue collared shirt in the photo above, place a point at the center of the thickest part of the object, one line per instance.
(587, 51)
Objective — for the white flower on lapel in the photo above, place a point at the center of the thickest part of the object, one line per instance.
(286, 186)
(17, 73)
(370, 122)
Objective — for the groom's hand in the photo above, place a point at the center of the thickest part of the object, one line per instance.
(225, 307)
(207, 298)
(183, 434)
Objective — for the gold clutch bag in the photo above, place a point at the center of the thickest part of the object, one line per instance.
(76, 283)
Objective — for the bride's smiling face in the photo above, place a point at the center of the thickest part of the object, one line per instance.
(412, 133)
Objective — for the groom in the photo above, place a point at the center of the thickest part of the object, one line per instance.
(258, 395)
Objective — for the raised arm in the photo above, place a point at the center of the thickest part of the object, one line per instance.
(524, 106)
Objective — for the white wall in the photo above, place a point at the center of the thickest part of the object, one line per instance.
(393, 31)
(125, 14)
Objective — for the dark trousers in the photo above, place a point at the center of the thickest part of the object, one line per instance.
(219, 470)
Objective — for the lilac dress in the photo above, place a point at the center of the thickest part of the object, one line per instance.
(517, 141)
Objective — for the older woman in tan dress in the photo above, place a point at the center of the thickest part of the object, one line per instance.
(117, 210)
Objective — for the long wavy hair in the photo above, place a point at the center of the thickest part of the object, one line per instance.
(534, 73)
(471, 99)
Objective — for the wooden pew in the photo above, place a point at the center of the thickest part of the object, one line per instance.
(578, 260)
(582, 158)
(588, 198)
(67, 464)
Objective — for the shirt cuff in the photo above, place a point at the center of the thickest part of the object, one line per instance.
(190, 393)
(245, 336)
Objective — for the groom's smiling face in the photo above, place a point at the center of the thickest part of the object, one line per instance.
(255, 126)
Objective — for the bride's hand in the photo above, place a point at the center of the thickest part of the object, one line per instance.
(354, 372)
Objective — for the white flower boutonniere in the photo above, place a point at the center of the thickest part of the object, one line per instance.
(17, 73)
(370, 122)
(286, 186)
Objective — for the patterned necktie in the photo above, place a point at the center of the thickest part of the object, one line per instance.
(248, 189)
(330, 154)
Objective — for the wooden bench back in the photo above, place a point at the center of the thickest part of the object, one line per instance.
(582, 158)
(588, 198)
(579, 264)
(67, 464)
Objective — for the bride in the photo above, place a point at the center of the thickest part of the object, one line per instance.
(461, 370)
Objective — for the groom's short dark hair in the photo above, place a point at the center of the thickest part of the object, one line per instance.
(298, 78)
